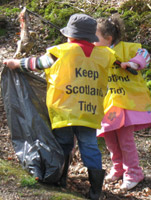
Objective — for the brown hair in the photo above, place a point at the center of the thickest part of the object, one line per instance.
(112, 26)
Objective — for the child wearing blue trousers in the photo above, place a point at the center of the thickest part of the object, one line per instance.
(127, 105)
(76, 87)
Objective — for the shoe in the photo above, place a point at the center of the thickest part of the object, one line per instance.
(96, 178)
(63, 179)
(112, 178)
(128, 185)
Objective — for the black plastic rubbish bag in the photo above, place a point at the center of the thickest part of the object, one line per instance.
(35, 146)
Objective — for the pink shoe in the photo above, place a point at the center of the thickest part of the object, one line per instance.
(128, 185)
(112, 178)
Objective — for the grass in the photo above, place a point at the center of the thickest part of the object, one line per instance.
(8, 169)
(26, 186)
(28, 182)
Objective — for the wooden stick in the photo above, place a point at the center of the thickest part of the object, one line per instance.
(43, 20)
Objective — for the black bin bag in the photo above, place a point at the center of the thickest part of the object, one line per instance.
(24, 97)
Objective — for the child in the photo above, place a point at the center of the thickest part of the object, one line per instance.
(76, 84)
(127, 104)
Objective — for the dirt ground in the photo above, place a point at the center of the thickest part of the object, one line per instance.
(77, 181)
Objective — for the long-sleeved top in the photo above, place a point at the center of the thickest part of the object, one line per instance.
(142, 58)
(76, 82)
(117, 117)
(47, 60)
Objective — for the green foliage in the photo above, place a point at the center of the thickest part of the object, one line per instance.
(149, 84)
(102, 12)
(7, 169)
(136, 16)
(33, 5)
(131, 22)
(137, 6)
(137, 20)
(9, 11)
(59, 17)
(2, 32)
(148, 73)
(13, 172)
(111, 10)
(148, 47)
(53, 11)
(5, 1)
(148, 78)
(101, 143)
(57, 13)
(28, 182)
(58, 41)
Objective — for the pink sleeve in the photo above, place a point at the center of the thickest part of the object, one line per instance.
(140, 61)
(142, 58)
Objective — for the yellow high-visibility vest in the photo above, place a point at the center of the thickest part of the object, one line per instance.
(126, 90)
(76, 85)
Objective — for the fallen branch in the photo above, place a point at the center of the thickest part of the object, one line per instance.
(149, 6)
(43, 20)
(141, 135)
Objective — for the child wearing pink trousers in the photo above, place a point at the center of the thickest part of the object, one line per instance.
(127, 105)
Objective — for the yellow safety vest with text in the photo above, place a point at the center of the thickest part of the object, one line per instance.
(76, 85)
(126, 90)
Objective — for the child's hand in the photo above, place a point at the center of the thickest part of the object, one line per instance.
(12, 63)
(124, 65)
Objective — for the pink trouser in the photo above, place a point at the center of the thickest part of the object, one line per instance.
(124, 154)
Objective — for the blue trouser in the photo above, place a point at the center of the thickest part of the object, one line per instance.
(87, 141)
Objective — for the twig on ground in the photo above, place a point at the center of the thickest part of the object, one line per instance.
(142, 135)
(149, 6)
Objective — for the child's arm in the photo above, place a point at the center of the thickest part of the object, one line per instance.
(140, 61)
(31, 63)
(132, 65)
(12, 63)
